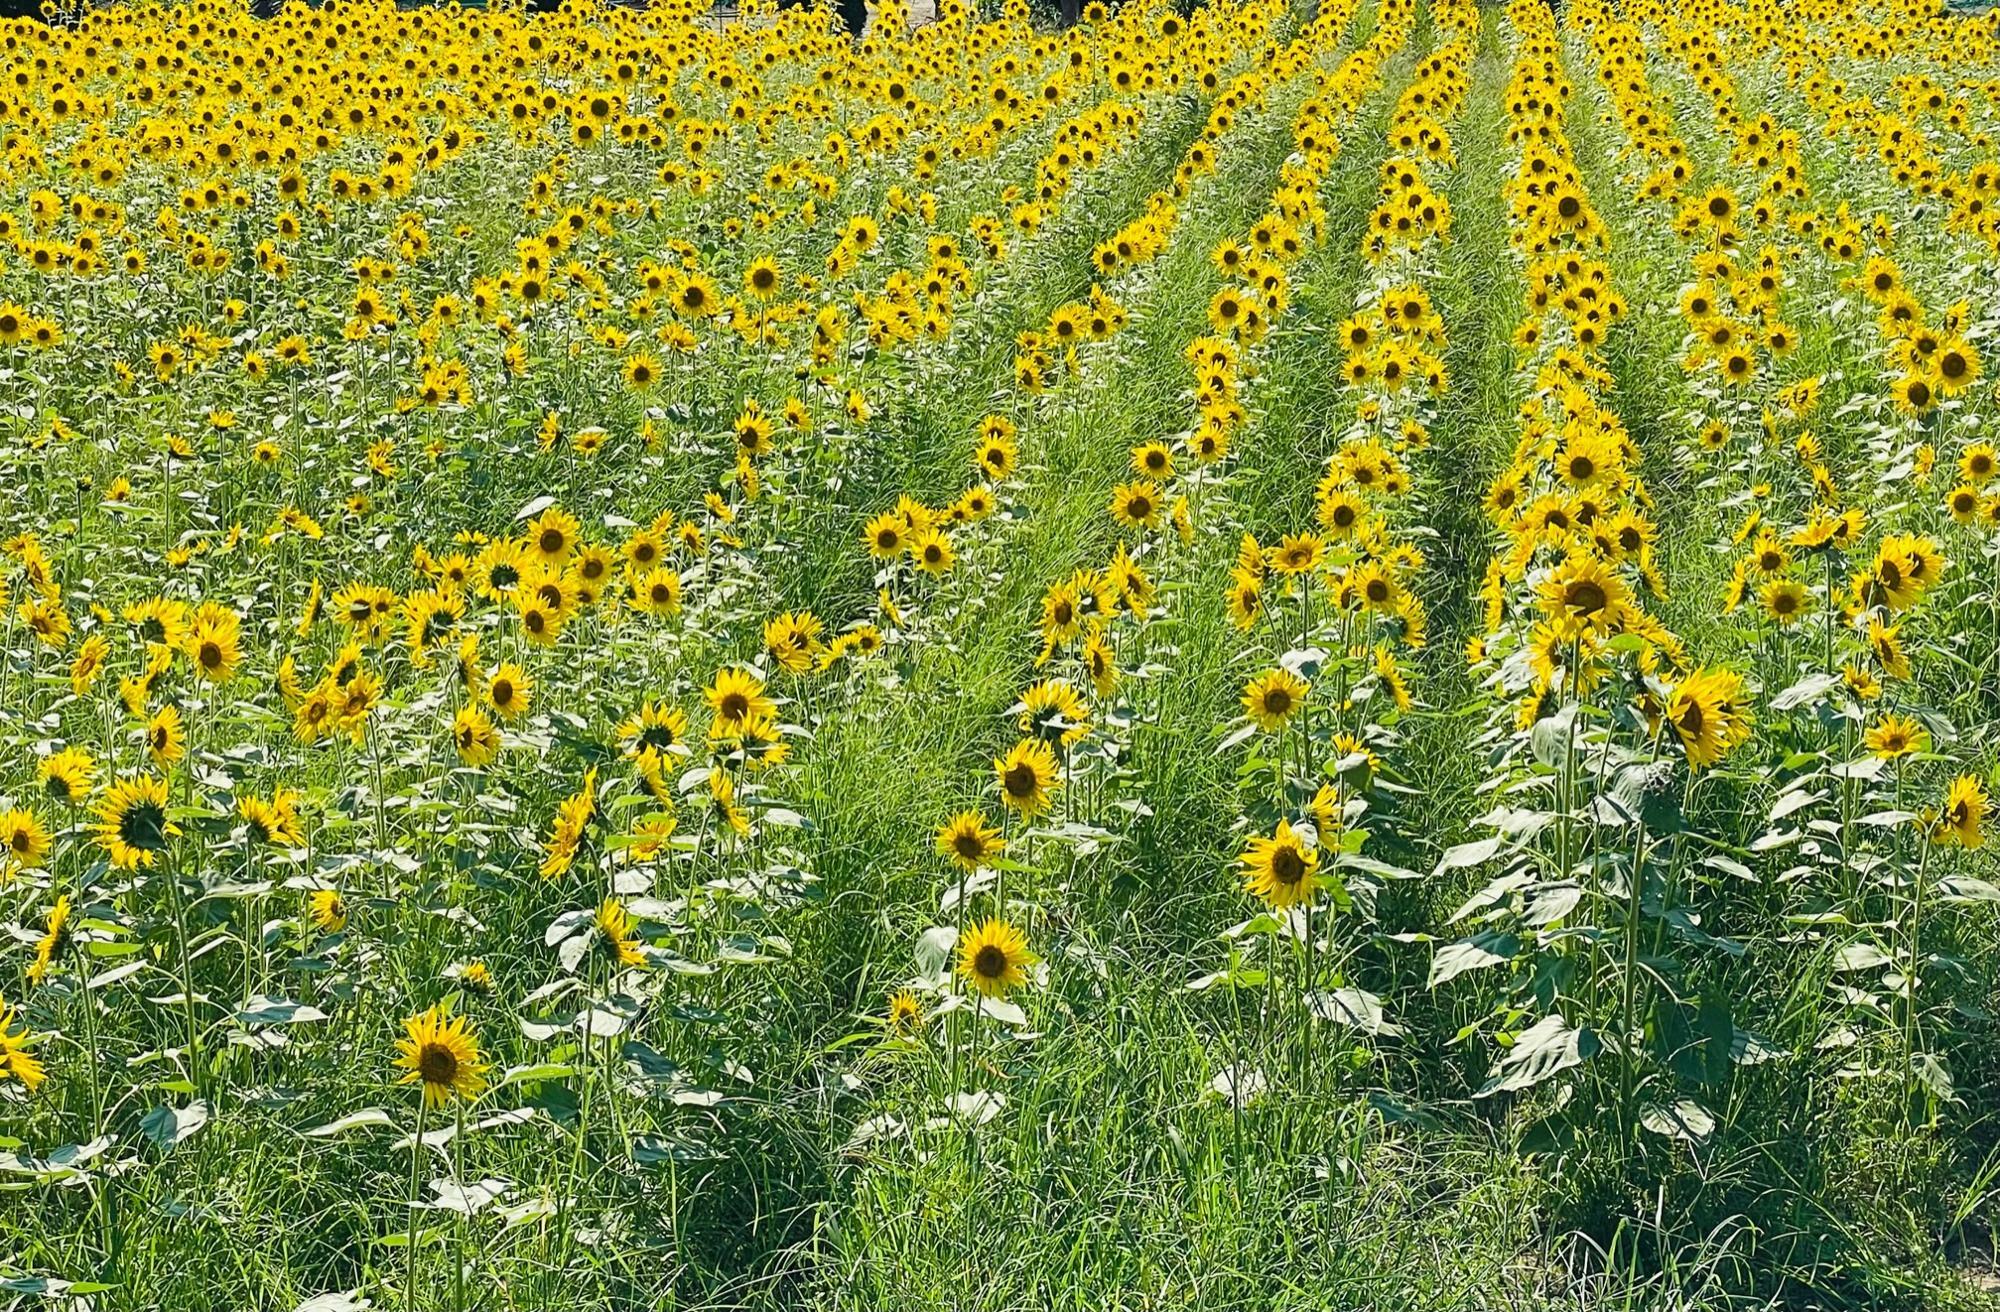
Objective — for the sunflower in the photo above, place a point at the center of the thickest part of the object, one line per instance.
(541, 623)
(89, 664)
(1342, 514)
(47, 620)
(793, 639)
(429, 618)
(49, 948)
(1961, 819)
(552, 536)
(1053, 711)
(15, 1061)
(166, 739)
(996, 453)
(1963, 503)
(1246, 599)
(1137, 504)
(648, 838)
(1905, 567)
(160, 622)
(905, 1014)
(885, 536)
(1885, 642)
(353, 704)
(735, 698)
(763, 279)
(658, 727)
(642, 371)
(968, 840)
(24, 842)
(1705, 712)
(475, 737)
(657, 591)
(1027, 776)
(1297, 553)
(723, 805)
(510, 691)
(327, 909)
(993, 958)
(498, 568)
(614, 933)
(1581, 596)
(1062, 614)
(1894, 737)
(1979, 462)
(1955, 367)
(132, 821)
(314, 716)
(214, 643)
(1100, 662)
(932, 551)
(1273, 698)
(1785, 601)
(1280, 869)
(275, 820)
(441, 1052)
(1913, 394)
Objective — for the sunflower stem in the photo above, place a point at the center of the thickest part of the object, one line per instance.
(465, 1218)
(416, 1183)
(1911, 1092)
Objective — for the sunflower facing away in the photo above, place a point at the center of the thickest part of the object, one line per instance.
(132, 821)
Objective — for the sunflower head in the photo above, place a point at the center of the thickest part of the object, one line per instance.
(993, 958)
(441, 1052)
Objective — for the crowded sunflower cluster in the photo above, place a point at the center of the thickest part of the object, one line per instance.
(627, 634)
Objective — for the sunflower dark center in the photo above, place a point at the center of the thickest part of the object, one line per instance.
(1288, 867)
(1584, 597)
(437, 1064)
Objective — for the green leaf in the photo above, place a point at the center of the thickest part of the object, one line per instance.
(1546, 1048)
(1489, 948)
(277, 1011)
(168, 1126)
(1464, 856)
(1683, 1119)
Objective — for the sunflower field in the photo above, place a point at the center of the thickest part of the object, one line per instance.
(1294, 654)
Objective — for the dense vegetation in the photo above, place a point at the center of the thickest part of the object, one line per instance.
(1335, 656)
